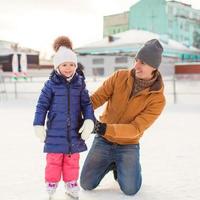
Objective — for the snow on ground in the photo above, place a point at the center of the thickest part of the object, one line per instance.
(170, 152)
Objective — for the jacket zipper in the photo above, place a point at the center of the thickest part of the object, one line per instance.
(68, 120)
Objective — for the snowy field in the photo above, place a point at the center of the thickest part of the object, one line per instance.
(170, 151)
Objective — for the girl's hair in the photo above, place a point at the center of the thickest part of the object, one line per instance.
(62, 41)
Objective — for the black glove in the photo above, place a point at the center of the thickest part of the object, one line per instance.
(99, 128)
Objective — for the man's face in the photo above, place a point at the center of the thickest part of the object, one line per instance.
(143, 70)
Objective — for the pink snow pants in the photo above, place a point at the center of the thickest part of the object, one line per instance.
(59, 164)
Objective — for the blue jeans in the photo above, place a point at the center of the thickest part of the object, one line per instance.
(100, 160)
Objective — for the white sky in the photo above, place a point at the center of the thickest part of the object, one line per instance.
(36, 23)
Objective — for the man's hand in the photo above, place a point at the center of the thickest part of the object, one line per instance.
(86, 129)
(40, 132)
(99, 128)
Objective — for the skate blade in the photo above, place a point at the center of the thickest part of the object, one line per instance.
(72, 197)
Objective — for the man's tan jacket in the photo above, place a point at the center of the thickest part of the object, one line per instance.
(127, 116)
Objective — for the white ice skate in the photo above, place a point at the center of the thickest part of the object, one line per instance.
(72, 189)
(51, 189)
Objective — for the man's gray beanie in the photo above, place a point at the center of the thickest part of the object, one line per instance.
(151, 53)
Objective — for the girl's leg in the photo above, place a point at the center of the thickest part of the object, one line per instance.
(71, 167)
(70, 174)
(53, 172)
(53, 167)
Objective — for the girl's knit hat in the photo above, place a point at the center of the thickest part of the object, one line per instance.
(63, 48)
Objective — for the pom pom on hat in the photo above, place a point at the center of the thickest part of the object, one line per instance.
(62, 41)
(63, 48)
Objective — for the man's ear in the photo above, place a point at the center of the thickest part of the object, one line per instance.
(154, 71)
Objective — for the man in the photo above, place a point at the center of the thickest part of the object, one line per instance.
(134, 99)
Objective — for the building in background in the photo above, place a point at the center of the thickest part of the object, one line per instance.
(103, 57)
(8, 49)
(115, 24)
(178, 21)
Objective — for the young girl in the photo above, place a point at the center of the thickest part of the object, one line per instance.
(64, 99)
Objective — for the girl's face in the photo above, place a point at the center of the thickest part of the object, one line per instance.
(67, 69)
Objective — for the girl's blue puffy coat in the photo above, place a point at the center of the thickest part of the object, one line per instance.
(63, 102)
